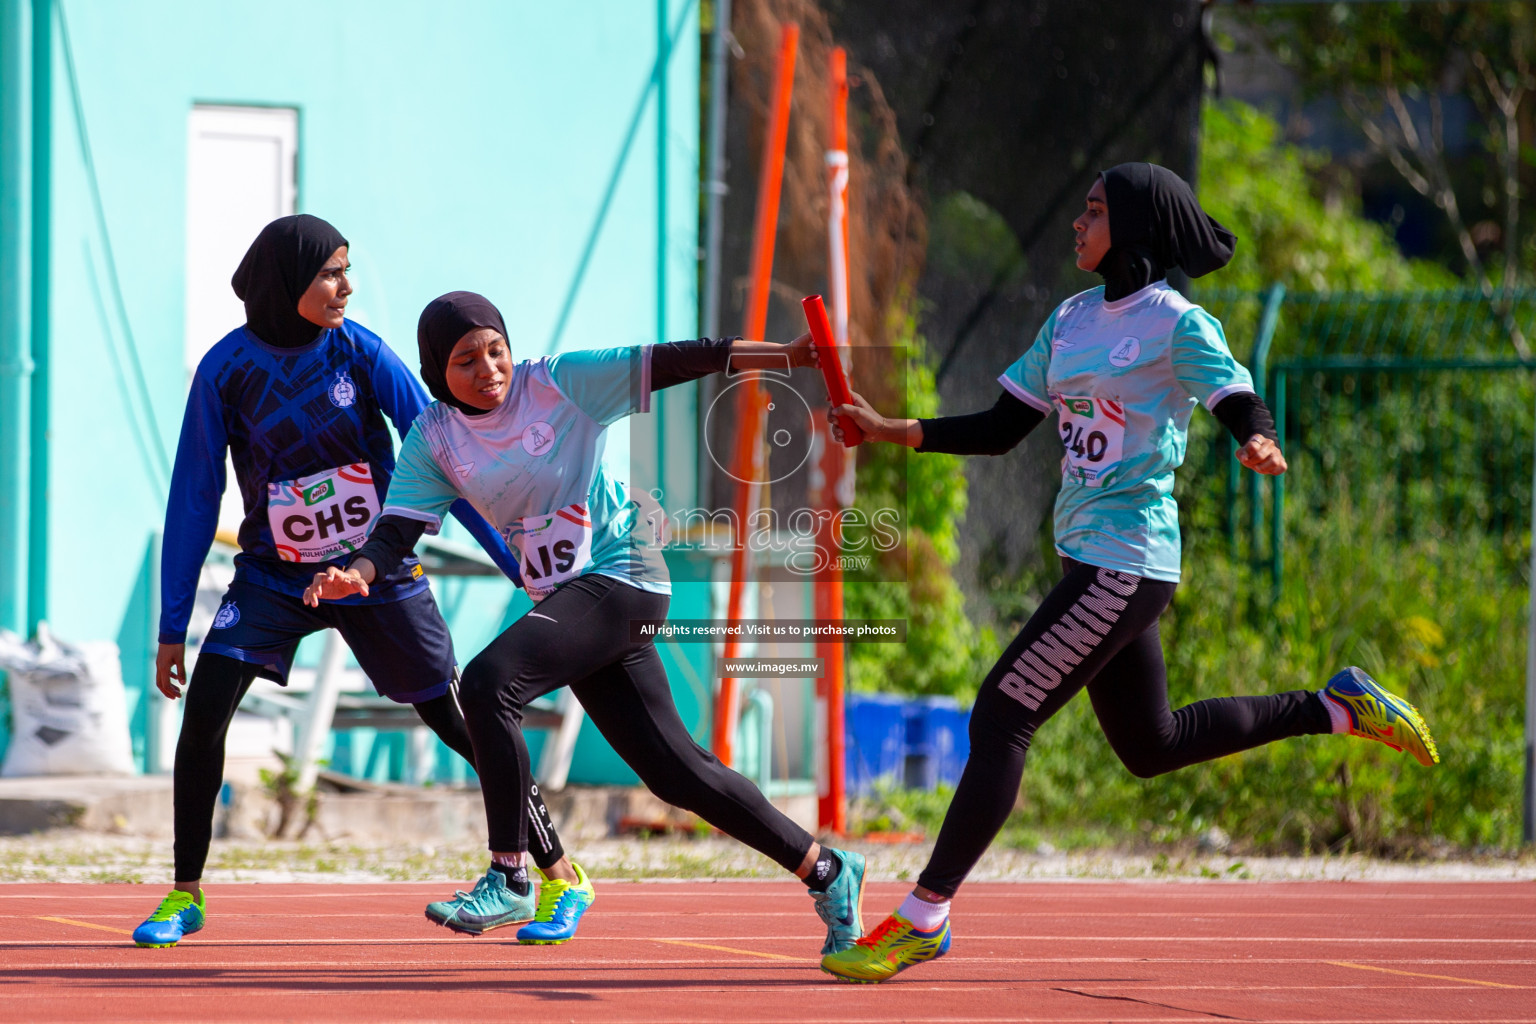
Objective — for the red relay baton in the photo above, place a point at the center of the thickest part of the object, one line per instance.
(831, 365)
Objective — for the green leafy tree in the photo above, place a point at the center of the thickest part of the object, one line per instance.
(1265, 191)
(1391, 66)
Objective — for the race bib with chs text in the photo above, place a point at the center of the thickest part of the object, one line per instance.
(323, 516)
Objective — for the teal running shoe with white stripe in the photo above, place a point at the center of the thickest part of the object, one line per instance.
(1378, 714)
(841, 906)
(561, 905)
(178, 915)
(490, 904)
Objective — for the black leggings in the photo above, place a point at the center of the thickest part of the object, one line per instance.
(1097, 628)
(217, 687)
(579, 636)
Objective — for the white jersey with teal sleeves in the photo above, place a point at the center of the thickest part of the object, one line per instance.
(533, 468)
(1123, 378)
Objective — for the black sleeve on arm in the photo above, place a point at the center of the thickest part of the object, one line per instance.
(677, 362)
(1245, 414)
(392, 539)
(993, 432)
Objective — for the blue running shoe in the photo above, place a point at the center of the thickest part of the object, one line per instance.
(841, 907)
(1375, 713)
(561, 905)
(178, 915)
(490, 904)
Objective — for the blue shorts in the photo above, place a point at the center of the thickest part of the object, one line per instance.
(403, 646)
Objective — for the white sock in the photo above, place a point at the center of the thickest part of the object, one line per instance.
(1336, 714)
(925, 916)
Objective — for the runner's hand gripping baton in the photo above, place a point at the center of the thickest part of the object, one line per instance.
(831, 366)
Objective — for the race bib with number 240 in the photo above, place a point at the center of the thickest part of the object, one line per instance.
(1093, 434)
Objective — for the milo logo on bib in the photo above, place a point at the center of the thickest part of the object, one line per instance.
(323, 516)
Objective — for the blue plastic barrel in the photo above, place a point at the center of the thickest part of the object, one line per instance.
(938, 742)
(875, 741)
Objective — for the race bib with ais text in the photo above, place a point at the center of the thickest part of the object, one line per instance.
(553, 548)
(323, 516)
(1093, 434)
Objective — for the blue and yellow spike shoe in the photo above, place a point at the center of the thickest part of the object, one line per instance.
(490, 904)
(561, 905)
(1376, 714)
(841, 906)
(891, 948)
(178, 915)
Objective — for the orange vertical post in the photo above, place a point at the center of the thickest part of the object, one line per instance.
(749, 457)
(836, 465)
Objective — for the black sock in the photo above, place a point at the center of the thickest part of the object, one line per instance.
(825, 870)
(517, 877)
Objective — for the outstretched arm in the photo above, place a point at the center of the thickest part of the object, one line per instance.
(678, 362)
(990, 432)
(392, 539)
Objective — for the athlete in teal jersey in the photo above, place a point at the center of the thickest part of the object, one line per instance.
(1122, 368)
(1123, 378)
(533, 466)
(523, 442)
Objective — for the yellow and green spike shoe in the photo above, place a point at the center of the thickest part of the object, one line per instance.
(891, 948)
(1377, 714)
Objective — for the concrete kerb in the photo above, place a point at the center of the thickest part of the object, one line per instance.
(342, 809)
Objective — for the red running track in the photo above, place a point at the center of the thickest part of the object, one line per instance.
(741, 952)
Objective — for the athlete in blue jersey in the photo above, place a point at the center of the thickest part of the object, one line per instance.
(523, 442)
(1122, 367)
(297, 396)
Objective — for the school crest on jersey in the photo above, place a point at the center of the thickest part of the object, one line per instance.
(228, 615)
(342, 392)
(538, 438)
(1125, 353)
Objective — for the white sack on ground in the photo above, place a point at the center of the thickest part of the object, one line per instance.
(69, 712)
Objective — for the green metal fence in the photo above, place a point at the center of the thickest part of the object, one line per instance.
(1421, 403)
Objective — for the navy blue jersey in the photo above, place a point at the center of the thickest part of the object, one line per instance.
(313, 458)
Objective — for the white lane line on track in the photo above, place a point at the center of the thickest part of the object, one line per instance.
(1364, 892)
(1515, 916)
(330, 968)
(799, 1017)
(591, 962)
(586, 939)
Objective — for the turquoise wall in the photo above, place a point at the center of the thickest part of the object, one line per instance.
(508, 147)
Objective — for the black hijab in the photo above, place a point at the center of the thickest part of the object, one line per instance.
(277, 270)
(1155, 222)
(446, 319)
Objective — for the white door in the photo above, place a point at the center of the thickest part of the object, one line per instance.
(241, 165)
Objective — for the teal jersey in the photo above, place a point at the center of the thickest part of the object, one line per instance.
(533, 468)
(1123, 378)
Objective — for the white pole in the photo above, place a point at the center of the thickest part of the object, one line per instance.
(319, 712)
(559, 748)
